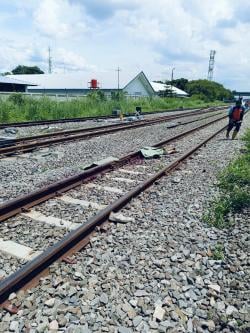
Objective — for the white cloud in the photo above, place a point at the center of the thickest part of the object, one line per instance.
(70, 61)
(60, 19)
(135, 34)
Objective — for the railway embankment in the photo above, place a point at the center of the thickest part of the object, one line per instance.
(164, 271)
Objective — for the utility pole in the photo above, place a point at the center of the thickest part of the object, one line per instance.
(118, 81)
(118, 78)
(211, 65)
(172, 79)
(49, 61)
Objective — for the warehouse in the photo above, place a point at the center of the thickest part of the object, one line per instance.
(81, 83)
(8, 84)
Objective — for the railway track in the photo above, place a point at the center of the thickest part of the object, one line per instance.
(26, 144)
(79, 119)
(89, 185)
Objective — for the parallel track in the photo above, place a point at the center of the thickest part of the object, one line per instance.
(79, 119)
(79, 237)
(26, 144)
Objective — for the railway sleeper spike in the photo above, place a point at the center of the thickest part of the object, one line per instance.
(59, 194)
(69, 260)
(25, 209)
(9, 307)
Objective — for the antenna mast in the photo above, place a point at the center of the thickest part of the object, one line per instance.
(211, 65)
(49, 61)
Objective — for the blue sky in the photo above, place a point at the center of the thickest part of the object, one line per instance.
(153, 36)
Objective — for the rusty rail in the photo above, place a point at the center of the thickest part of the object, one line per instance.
(32, 269)
(79, 119)
(87, 133)
(21, 203)
(118, 125)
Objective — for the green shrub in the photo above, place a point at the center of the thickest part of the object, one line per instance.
(17, 99)
(218, 252)
(234, 185)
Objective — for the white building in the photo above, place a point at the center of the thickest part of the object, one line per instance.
(141, 86)
(79, 84)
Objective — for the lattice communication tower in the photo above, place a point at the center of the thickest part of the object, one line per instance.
(211, 65)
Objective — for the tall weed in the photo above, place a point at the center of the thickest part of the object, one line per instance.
(21, 108)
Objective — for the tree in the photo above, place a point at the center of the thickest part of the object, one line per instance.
(179, 83)
(168, 92)
(97, 95)
(208, 90)
(6, 73)
(27, 70)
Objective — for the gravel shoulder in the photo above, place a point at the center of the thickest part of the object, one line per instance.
(156, 274)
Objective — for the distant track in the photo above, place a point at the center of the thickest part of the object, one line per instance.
(49, 122)
(27, 144)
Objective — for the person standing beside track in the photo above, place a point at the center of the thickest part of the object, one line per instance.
(235, 114)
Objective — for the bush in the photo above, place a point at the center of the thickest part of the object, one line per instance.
(17, 99)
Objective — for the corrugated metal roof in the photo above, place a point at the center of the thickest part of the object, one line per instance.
(162, 86)
(79, 80)
(11, 80)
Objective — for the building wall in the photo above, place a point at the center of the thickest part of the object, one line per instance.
(9, 87)
(136, 88)
(66, 91)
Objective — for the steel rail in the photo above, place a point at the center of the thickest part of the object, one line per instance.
(79, 119)
(37, 266)
(89, 129)
(6, 151)
(19, 204)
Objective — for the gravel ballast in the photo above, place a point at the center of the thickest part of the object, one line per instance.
(42, 129)
(25, 231)
(156, 274)
(27, 172)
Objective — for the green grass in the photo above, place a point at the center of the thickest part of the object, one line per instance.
(218, 252)
(234, 186)
(19, 108)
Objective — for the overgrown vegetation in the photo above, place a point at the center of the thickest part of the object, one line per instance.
(19, 107)
(203, 89)
(234, 185)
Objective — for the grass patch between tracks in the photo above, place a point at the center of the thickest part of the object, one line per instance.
(18, 107)
(234, 186)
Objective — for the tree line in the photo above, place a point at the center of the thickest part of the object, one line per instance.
(203, 89)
